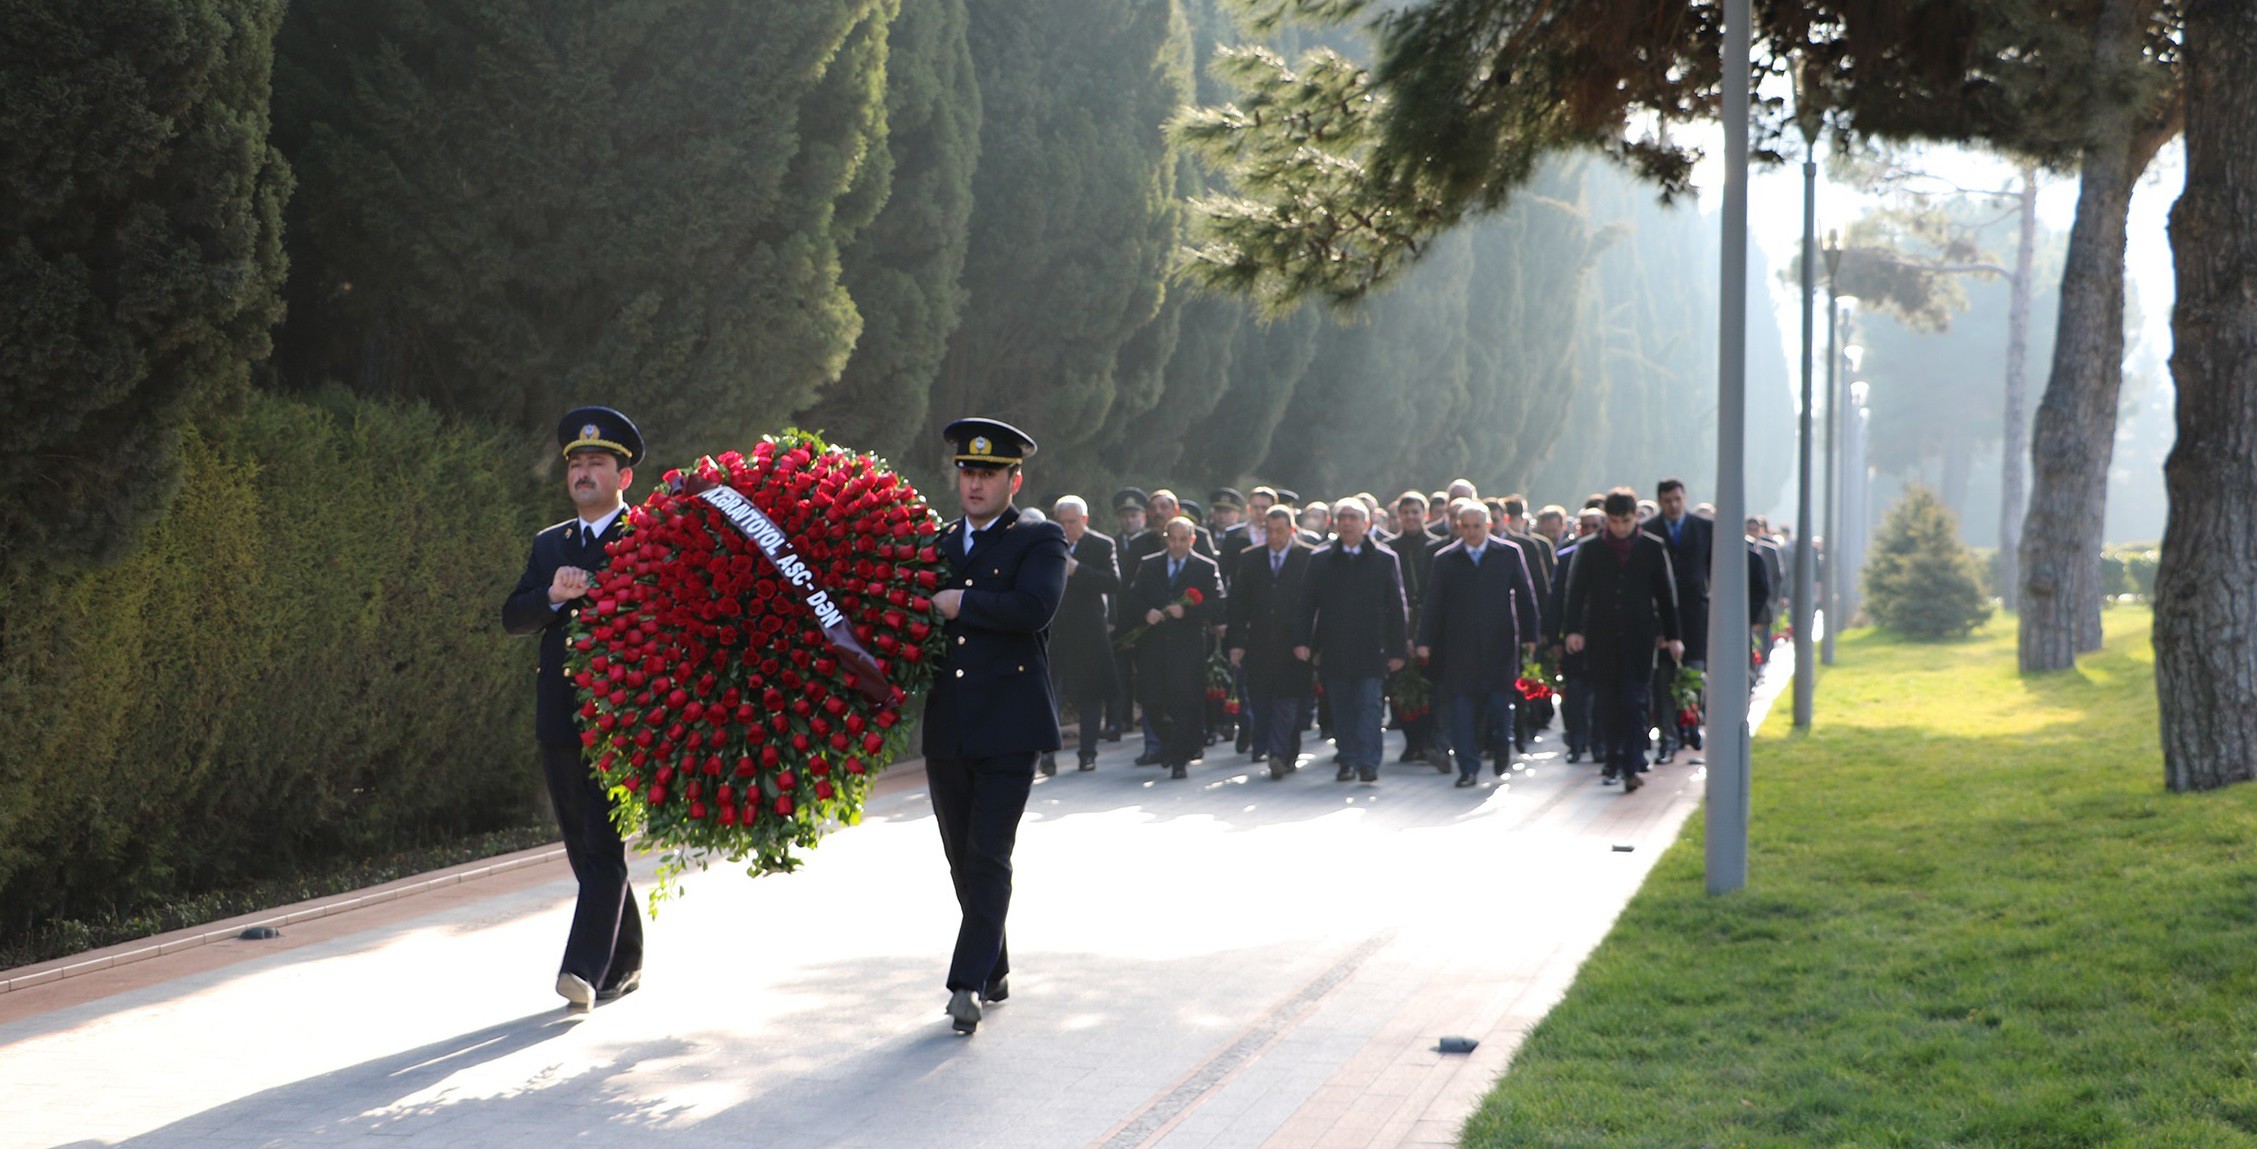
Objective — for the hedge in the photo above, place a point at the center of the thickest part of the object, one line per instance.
(301, 663)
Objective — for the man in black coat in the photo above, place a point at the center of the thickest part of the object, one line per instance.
(1479, 624)
(1171, 654)
(1414, 549)
(1264, 606)
(1081, 656)
(1352, 625)
(990, 713)
(1621, 608)
(1162, 505)
(603, 952)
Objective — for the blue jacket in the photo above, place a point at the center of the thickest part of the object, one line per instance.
(993, 696)
(527, 611)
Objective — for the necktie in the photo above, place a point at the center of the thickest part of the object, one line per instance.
(1174, 566)
(1475, 555)
(970, 533)
(1277, 563)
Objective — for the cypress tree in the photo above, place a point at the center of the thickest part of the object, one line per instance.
(140, 254)
(1074, 220)
(512, 207)
(905, 270)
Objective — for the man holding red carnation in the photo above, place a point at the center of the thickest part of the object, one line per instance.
(603, 953)
(991, 714)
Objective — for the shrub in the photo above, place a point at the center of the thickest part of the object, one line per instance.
(1921, 581)
(302, 663)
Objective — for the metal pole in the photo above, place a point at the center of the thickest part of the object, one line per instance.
(1826, 594)
(1727, 804)
(1806, 667)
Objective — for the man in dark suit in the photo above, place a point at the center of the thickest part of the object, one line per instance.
(1414, 549)
(1353, 623)
(1171, 654)
(1690, 541)
(1621, 608)
(990, 713)
(1264, 605)
(1081, 656)
(1479, 624)
(1575, 689)
(1129, 504)
(1538, 550)
(603, 951)
(1232, 532)
(1770, 562)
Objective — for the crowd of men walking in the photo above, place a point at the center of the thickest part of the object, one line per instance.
(1425, 613)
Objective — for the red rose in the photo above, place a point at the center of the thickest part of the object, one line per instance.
(1193, 596)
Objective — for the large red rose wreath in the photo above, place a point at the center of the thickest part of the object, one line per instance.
(760, 626)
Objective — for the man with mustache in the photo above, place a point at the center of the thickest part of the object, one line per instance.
(603, 952)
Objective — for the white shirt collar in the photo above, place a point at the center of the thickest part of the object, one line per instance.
(597, 528)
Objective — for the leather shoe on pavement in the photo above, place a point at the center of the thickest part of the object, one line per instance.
(964, 1011)
(622, 987)
(995, 991)
(1464, 782)
(575, 989)
(1346, 774)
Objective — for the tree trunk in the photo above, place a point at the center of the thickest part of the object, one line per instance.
(2075, 434)
(2206, 589)
(2014, 443)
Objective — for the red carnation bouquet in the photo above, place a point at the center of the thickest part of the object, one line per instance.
(1191, 598)
(1534, 683)
(751, 646)
(1222, 682)
(1685, 693)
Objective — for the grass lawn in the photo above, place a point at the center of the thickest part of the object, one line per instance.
(1974, 918)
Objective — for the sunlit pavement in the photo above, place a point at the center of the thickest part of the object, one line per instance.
(1223, 961)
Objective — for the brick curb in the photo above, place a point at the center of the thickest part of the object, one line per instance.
(900, 776)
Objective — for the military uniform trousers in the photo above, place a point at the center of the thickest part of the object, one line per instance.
(605, 944)
(978, 802)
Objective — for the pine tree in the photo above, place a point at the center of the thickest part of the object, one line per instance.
(140, 254)
(1920, 580)
(510, 208)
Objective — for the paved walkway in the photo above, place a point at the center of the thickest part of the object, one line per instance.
(1224, 961)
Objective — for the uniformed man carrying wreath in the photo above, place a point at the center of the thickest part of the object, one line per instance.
(603, 953)
(991, 715)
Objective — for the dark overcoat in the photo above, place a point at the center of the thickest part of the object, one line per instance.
(1171, 656)
(527, 611)
(993, 694)
(1263, 607)
(1476, 617)
(1353, 615)
(1689, 558)
(1622, 608)
(1081, 641)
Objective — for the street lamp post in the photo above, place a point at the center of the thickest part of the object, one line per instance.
(1806, 669)
(1726, 810)
(1833, 456)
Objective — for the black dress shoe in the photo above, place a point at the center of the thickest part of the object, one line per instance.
(1089, 763)
(996, 990)
(1631, 781)
(1574, 756)
(963, 1011)
(1179, 771)
(621, 988)
(1050, 765)
(1113, 734)
(1440, 760)
(1279, 770)
(1147, 760)
(1346, 774)
(1260, 757)
(1368, 775)
(1464, 782)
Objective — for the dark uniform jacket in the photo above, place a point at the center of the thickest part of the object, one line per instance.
(1151, 542)
(993, 695)
(1476, 617)
(1353, 614)
(1171, 655)
(1230, 543)
(1775, 580)
(1081, 651)
(1538, 551)
(1620, 608)
(1263, 611)
(527, 611)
